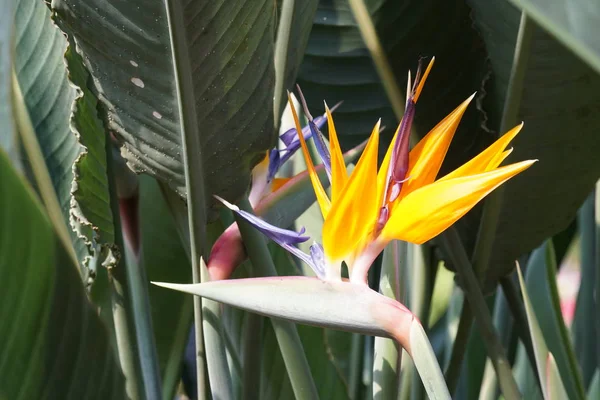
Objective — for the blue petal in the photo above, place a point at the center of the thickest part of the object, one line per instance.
(321, 147)
(292, 142)
(275, 163)
(283, 237)
(278, 235)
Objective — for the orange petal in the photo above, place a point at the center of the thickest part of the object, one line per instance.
(339, 175)
(382, 175)
(423, 79)
(428, 211)
(353, 216)
(278, 182)
(488, 159)
(322, 197)
(426, 157)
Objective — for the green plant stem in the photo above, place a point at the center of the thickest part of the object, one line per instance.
(517, 309)
(454, 249)
(123, 305)
(192, 157)
(597, 265)
(459, 348)
(386, 367)
(284, 28)
(216, 355)
(356, 347)
(285, 331)
(253, 332)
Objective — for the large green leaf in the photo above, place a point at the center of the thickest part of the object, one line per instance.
(53, 343)
(558, 104)
(126, 47)
(71, 137)
(573, 22)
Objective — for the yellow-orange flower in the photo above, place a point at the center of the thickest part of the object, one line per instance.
(373, 206)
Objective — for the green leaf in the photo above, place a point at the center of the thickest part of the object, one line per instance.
(560, 95)
(8, 139)
(574, 23)
(544, 301)
(594, 389)
(126, 47)
(164, 258)
(585, 327)
(556, 389)
(71, 137)
(545, 366)
(53, 341)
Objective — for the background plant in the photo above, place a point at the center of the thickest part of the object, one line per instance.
(191, 95)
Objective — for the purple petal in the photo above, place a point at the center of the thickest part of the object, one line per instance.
(399, 163)
(278, 235)
(321, 147)
(275, 163)
(283, 237)
(292, 142)
(317, 136)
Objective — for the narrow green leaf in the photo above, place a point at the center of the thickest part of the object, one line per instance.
(594, 389)
(556, 389)
(545, 303)
(387, 357)
(453, 247)
(585, 328)
(164, 258)
(542, 355)
(54, 344)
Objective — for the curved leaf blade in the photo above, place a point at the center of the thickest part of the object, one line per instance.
(544, 301)
(71, 137)
(542, 354)
(54, 342)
